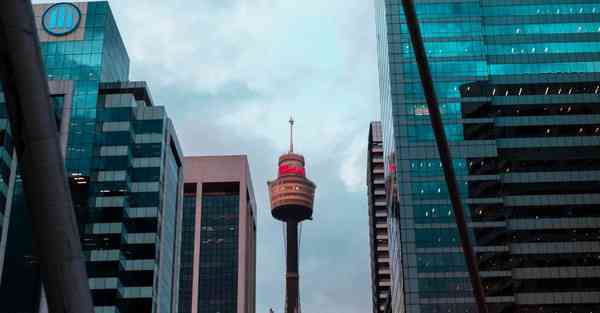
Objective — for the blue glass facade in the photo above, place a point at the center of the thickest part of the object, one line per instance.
(526, 53)
(124, 165)
(218, 277)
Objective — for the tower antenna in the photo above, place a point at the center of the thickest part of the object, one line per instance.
(291, 134)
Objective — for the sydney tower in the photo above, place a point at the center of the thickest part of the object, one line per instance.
(292, 196)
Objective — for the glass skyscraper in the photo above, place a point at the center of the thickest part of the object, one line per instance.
(517, 82)
(124, 166)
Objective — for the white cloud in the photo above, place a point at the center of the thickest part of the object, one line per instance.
(352, 169)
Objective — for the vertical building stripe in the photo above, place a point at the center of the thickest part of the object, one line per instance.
(52, 23)
(69, 18)
(60, 19)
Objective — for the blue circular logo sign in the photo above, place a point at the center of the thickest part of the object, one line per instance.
(61, 19)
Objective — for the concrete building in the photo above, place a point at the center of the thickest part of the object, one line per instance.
(124, 166)
(378, 220)
(218, 259)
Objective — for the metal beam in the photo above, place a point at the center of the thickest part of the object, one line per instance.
(444, 151)
(55, 231)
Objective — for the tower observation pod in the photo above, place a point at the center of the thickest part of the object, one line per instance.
(292, 196)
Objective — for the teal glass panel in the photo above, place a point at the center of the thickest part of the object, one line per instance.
(52, 23)
(60, 17)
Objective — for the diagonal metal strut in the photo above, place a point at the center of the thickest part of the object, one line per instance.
(55, 230)
(444, 151)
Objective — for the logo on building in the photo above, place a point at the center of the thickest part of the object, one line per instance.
(61, 19)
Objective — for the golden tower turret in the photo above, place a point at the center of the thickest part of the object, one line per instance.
(292, 194)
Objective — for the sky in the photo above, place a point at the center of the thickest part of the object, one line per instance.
(230, 73)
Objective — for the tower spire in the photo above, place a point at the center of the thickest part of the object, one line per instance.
(291, 134)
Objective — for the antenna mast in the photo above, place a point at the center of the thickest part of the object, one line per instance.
(291, 134)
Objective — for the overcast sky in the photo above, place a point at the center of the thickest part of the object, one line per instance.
(230, 73)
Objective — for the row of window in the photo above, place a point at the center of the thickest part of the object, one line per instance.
(448, 237)
(469, 8)
(498, 261)
(72, 60)
(76, 72)
(431, 214)
(448, 29)
(539, 48)
(461, 287)
(457, 132)
(61, 49)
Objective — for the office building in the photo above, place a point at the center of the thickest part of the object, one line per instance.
(524, 193)
(218, 259)
(378, 220)
(124, 166)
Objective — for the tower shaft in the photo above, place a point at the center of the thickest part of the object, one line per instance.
(291, 276)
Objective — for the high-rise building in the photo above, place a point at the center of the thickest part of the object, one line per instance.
(378, 220)
(218, 246)
(524, 192)
(124, 166)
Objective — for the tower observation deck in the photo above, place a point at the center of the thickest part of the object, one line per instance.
(292, 196)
